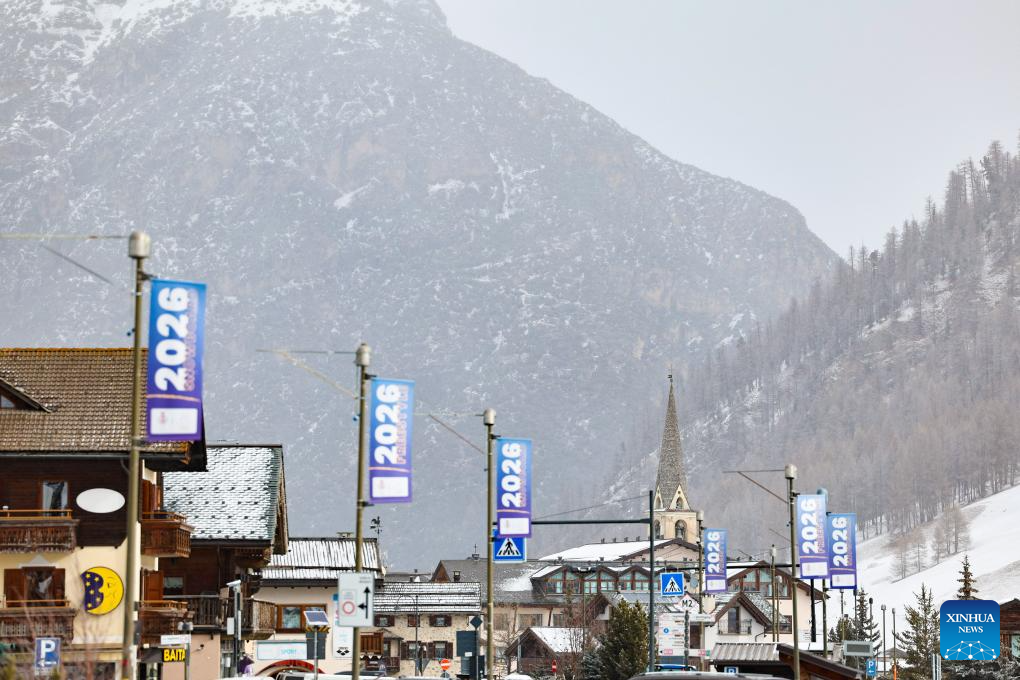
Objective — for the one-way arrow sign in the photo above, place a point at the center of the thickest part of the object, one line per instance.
(355, 599)
(509, 549)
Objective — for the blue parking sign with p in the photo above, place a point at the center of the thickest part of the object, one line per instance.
(872, 668)
(47, 653)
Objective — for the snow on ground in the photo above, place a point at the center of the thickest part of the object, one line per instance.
(994, 526)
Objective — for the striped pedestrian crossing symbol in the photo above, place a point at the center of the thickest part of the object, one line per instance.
(509, 549)
(671, 584)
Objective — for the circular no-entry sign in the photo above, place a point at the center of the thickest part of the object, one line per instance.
(445, 664)
(347, 607)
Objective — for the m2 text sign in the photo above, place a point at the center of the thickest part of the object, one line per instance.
(173, 400)
(814, 554)
(841, 530)
(391, 411)
(513, 487)
(715, 560)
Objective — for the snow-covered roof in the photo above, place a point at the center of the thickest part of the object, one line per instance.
(607, 552)
(559, 640)
(238, 497)
(319, 559)
(429, 598)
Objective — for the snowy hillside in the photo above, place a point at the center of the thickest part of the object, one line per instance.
(994, 549)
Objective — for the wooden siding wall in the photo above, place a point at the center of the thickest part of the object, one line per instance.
(203, 572)
(20, 489)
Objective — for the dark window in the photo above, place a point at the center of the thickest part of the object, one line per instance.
(383, 621)
(54, 495)
(442, 650)
(291, 617)
(658, 529)
(412, 621)
(439, 620)
(680, 529)
(408, 649)
(733, 621)
(173, 585)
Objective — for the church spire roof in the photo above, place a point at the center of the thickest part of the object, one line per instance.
(671, 480)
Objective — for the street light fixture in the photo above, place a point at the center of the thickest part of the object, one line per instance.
(417, 623)
(790, 472)
(139, 248)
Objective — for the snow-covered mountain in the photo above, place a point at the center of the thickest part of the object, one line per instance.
(994, 537)
(339, 171)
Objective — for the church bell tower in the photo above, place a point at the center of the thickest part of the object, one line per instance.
(674, 517)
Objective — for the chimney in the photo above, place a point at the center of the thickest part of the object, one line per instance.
(456, 577)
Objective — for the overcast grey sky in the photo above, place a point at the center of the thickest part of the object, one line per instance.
(853, 111)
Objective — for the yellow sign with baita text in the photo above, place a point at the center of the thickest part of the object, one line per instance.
(175, 655)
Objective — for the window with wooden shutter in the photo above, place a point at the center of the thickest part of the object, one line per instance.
(58, 586)
(153, 588)
(14, 586)
(439, 620)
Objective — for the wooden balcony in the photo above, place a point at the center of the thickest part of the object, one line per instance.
(160, 617)
(29, 531)
(208, 612)
(165, 534)
(23, 620)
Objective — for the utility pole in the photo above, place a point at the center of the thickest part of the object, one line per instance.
(651, 581)
(790, 472)
(489, 420)
(362, 359)
(885, 671)
(775, 602)
(701, 590)
(139, 248)
(825, 621)
(895, 665)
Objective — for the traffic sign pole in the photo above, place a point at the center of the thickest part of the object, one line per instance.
(489, 419)
(362, 358)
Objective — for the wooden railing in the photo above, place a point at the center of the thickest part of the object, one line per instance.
(37, 530)
(160, 617)
(165, 534)
(207, 611)
(23, 620)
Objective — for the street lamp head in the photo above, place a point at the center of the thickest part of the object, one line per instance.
(790, 471)
(363, 356)
(236, 585)
(489, 416)
(883, 607)
(139, 245)
(701, 516)
(773, 551)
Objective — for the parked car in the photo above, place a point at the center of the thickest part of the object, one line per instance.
(700, 675)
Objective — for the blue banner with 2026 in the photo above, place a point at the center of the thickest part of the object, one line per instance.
(513, 487)
(715, 560)
(391, 411)
(841, 532)
(173, 400)
(811, 543)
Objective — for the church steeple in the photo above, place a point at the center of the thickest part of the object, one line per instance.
(674, 517)
(671, 480)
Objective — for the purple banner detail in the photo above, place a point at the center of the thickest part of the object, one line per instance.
(173, 399)
(513, 487)
(841, 533)
(391, 414)
(811, 545)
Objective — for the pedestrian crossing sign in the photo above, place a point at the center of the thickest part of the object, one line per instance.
(509, 549)
(671, 584)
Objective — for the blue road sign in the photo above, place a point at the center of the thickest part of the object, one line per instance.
(872, 668)
(47, 654)
(671, 584)
(509, 549)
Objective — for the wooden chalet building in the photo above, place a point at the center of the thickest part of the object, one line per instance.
(1009, 628)
(64, 443)
(238, 508)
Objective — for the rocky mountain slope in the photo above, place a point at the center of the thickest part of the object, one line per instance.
(339, 171)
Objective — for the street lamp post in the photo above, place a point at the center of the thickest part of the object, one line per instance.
(362, 359)
(790, 473)
(775, 602)
(489, 420)
(701, 588)
(417, 623)
(139, 248)
(894, 659)
(885, 671)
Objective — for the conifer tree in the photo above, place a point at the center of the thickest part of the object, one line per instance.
(968, 590)
(623, 648)
(864, 626)
(921, 639)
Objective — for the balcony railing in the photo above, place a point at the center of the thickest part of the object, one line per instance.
(37, 530)
(207, 611)
(23, 620)
(165, 534)
(160, 617)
